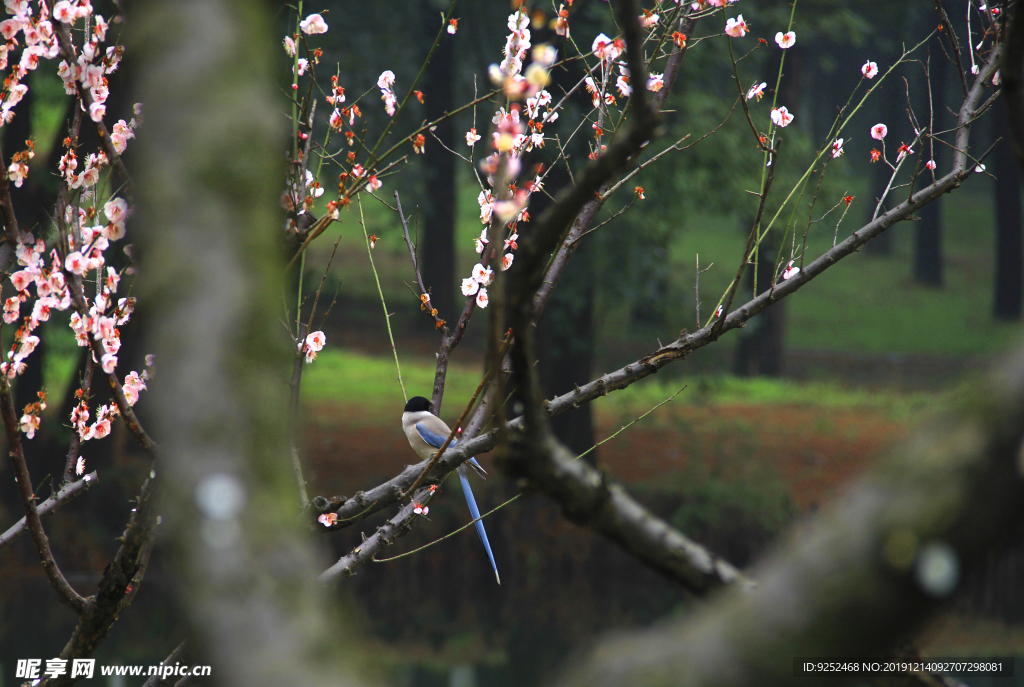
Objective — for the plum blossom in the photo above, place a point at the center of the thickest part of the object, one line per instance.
(837, 147)
(605, 49)
(736, 27)
(879, 131)
(80, 465)
(869, 70)
(313, 24)
(453, 26)
(648, 19)
(472, 137)
(790, 271)
(506, 261)
(484, 275)
(328, 519)
(781, 116)
(481, 298)
(29, 425)
(903, 151)
(757, 91)
(930, 164)
(96, 111)
(314, 343)
(133, 384)
(120, 135)
(785, 40)
(109, 362)
(470, 286)
(655, 82)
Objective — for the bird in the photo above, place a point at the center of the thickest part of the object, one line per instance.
(426, 433)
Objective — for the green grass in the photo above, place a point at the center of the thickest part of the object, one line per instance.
(353, 378)
(348, 377)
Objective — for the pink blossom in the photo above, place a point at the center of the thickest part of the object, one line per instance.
(606, 49)
(29, 425)
(506, 261)
(386, 80)
(472, 137)
(313, 24)
(869, 70)
(481, 298)
(930, 164)
(736, 27)
(790, 271)
(316, 341)
(879, 131)
(756, 91)
(100, 429)
(484, 275)
(109, 362)
(96, 112)
(23, 278)
(785, 40)
(781, 116)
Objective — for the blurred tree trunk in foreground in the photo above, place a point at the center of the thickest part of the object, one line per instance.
(209, 175)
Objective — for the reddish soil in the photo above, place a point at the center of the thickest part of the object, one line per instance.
(813, 450)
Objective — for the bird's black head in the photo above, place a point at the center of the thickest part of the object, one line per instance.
(417, 404)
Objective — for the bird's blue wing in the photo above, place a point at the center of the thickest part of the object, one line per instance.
(475, 512)
(432, 439)
(437, 441)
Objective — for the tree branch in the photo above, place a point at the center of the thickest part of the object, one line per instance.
(118, 586)
(65, 592)
(68, 492)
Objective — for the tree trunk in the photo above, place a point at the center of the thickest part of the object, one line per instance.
(759, 350)
(1009, 244)
(437, 242)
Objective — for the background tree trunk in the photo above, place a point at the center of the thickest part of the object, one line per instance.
(761, 343)
(1009, 241)
(928, 263)
(437, 218)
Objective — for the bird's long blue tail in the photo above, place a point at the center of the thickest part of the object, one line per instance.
(475, 512)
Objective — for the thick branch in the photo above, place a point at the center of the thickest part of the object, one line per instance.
(68, 492)
(118, 586)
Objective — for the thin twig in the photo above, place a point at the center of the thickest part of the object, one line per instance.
(380, 291)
